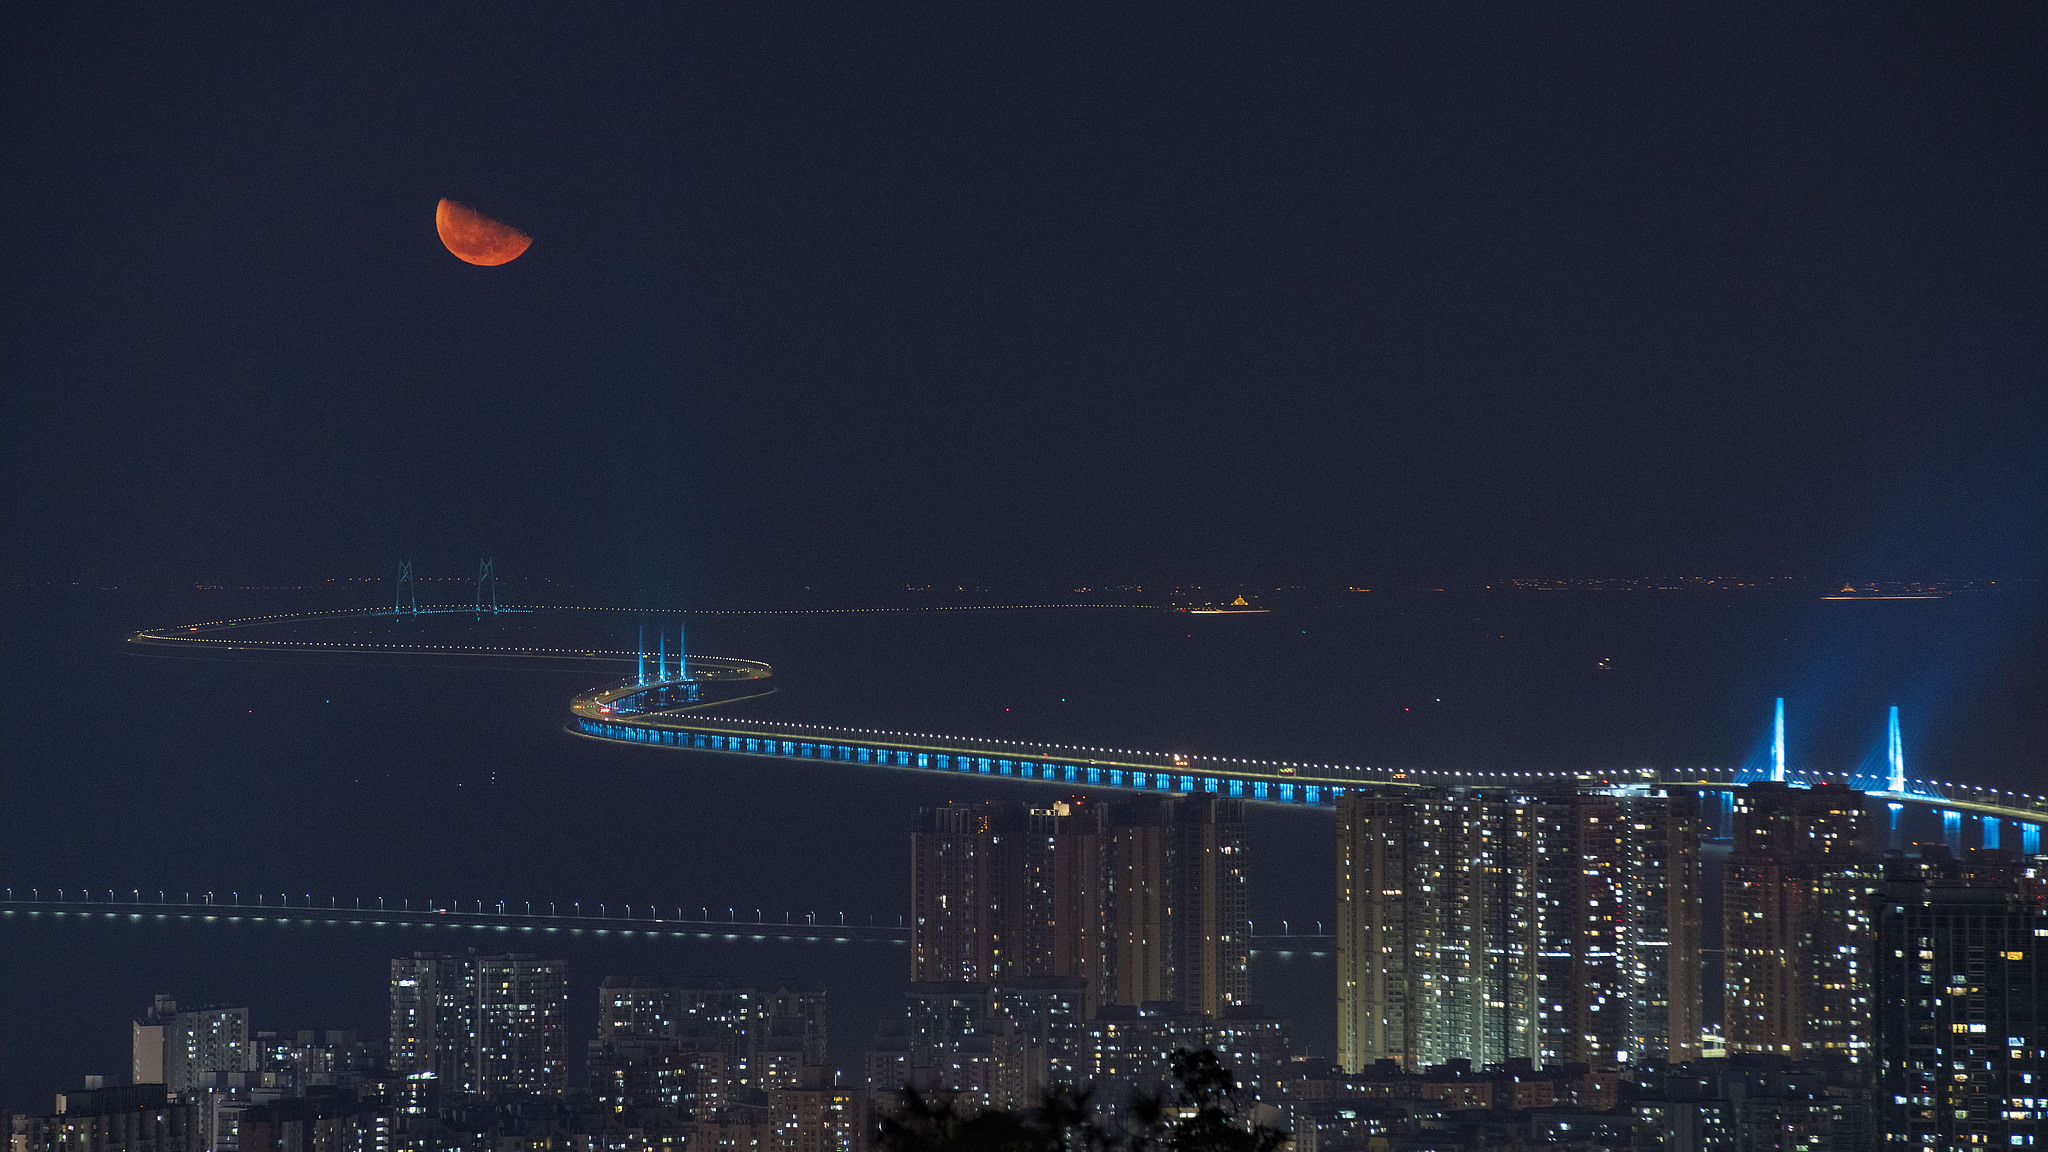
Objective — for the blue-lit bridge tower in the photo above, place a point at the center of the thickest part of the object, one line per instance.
(407, 587)
(667, 691)
(1895, 775)
(486, 575)
(1778, 743)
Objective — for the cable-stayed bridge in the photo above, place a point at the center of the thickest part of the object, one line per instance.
(661, 707)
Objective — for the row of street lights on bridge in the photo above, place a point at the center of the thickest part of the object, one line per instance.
(208, 899)
(603, 913)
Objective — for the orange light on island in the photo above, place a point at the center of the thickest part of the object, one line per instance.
(475, 237)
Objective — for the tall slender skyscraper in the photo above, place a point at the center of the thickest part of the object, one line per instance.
(1661, 936)
(1795, 921)
(955, 902)
(1373, 1013)
(1178, 914)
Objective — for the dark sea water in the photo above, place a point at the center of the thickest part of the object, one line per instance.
(127, 771)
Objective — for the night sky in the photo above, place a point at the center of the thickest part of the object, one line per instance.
(877, 294)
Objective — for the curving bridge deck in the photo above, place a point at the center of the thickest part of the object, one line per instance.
(636, 713)
(662, 713)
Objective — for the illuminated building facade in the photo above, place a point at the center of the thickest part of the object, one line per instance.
(1795, 921)
(476, 1023)
(1661, 942)
(818, 1117)
(433, 1019)
(1130, 1047)
(1143, 901)
(700, 1043)
(1437, 928)
(178, 1048)
(1962, 1015)
(522, 1013)
(955, 904)
(1486, 925)
(1177, 905)
(1578, 870)
(1050, 1012)
(1837, 949)
(1372, 931)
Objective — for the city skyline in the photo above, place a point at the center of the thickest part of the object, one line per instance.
(1448, 891)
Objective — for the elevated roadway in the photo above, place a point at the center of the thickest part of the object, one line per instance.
(641, 714)
(515, 920)
(665, 711)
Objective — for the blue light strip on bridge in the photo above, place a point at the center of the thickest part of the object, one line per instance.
(1047, 771)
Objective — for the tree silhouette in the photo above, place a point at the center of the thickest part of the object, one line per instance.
(1203, 1112)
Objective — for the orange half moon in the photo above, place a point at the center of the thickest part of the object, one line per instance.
(477, 238)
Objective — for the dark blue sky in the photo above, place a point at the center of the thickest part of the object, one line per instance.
(915, 292)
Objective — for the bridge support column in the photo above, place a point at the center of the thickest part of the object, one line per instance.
(1896, 808)
(1990, 831)
(1952, 831)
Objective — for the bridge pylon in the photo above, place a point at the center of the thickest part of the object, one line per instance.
(407, 586)
(1895, 755)
(1778, 742)
(486, 574)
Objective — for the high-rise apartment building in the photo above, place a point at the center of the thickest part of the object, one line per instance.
(1143, 900)
(1795, 921)
(477, 1023)
(433, 1019)
(1002, 890)
(1373, 1009)
(176, 1048)
(1661, 941)
(1962, 1004)
(1210, 905)
(944, 1016)
(955, 904)
(522, 1024)
(1177, 918)
(1488, 925)
(1579, 868)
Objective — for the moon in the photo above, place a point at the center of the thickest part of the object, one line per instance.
(475, 237)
